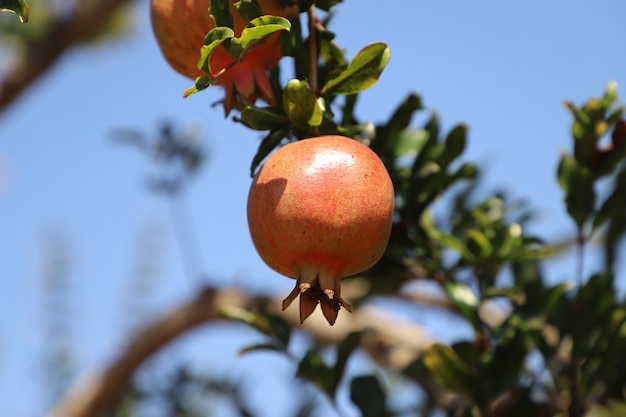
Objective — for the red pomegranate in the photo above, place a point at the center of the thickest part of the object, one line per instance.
(180, 26)
(319, 210)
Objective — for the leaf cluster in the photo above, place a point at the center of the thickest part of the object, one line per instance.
(550, 349)
(555, 349)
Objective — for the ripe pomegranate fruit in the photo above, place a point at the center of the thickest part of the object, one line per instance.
(180, 26)
(321, 209)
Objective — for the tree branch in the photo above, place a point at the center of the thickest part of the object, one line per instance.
(92, 397)
(40, 55)
(391, 342)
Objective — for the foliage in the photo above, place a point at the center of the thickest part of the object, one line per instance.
(552, 350)
(19, 7)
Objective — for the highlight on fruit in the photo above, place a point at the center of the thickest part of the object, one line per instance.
(319, 210)
(180, 27)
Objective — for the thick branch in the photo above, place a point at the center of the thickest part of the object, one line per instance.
(391, 342)
(40, 55)
(91, 398)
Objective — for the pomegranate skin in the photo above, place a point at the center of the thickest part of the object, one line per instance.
(179, 27)
(319, 210)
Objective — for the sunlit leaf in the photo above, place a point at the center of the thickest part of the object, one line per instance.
(267, 324)
(362, 72)
(216, 37)
(19, 7)
(410, 141)
(202, 83)
(480, 242)
(258, 29)
(514, 294)
(450, 371)
(464, 299)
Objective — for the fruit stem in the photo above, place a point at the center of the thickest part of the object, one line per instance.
(312, 49)
(313, 55)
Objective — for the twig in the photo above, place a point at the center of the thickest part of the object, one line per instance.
(182, 223)
(40, 55)
(580, 267)
(312, 49)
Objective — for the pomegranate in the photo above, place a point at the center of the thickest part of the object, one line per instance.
(180, 26)
(319, 210)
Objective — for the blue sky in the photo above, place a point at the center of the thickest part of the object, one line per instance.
(503, 68)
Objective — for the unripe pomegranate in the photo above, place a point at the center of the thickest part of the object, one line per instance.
(180, 26)
(319, 210)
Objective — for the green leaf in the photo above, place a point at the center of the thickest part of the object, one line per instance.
(445, 239)
(580, 200)
(271, 141)
(362, 72)
(267, 324)
(454, 145)
(593, 307)
(449, 370)
(263, 118)
(202, 83)
(313, 368)
(567, 164)
(403, 114)
(398, 122)
(261, 346)
(410, 141)
(212, 40)
(577, 182)
(614, 205)
(481, 244)
(19, 7)
(367, 394)
(248, 9)
(515, 294)
(301, 105)
(258, 29)
(331, 52)
(462, 297)
(344, 350)
(507, 362)
(220, 11)
(432, 128)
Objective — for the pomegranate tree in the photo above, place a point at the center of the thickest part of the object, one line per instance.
(319, 210)
(180, 26)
